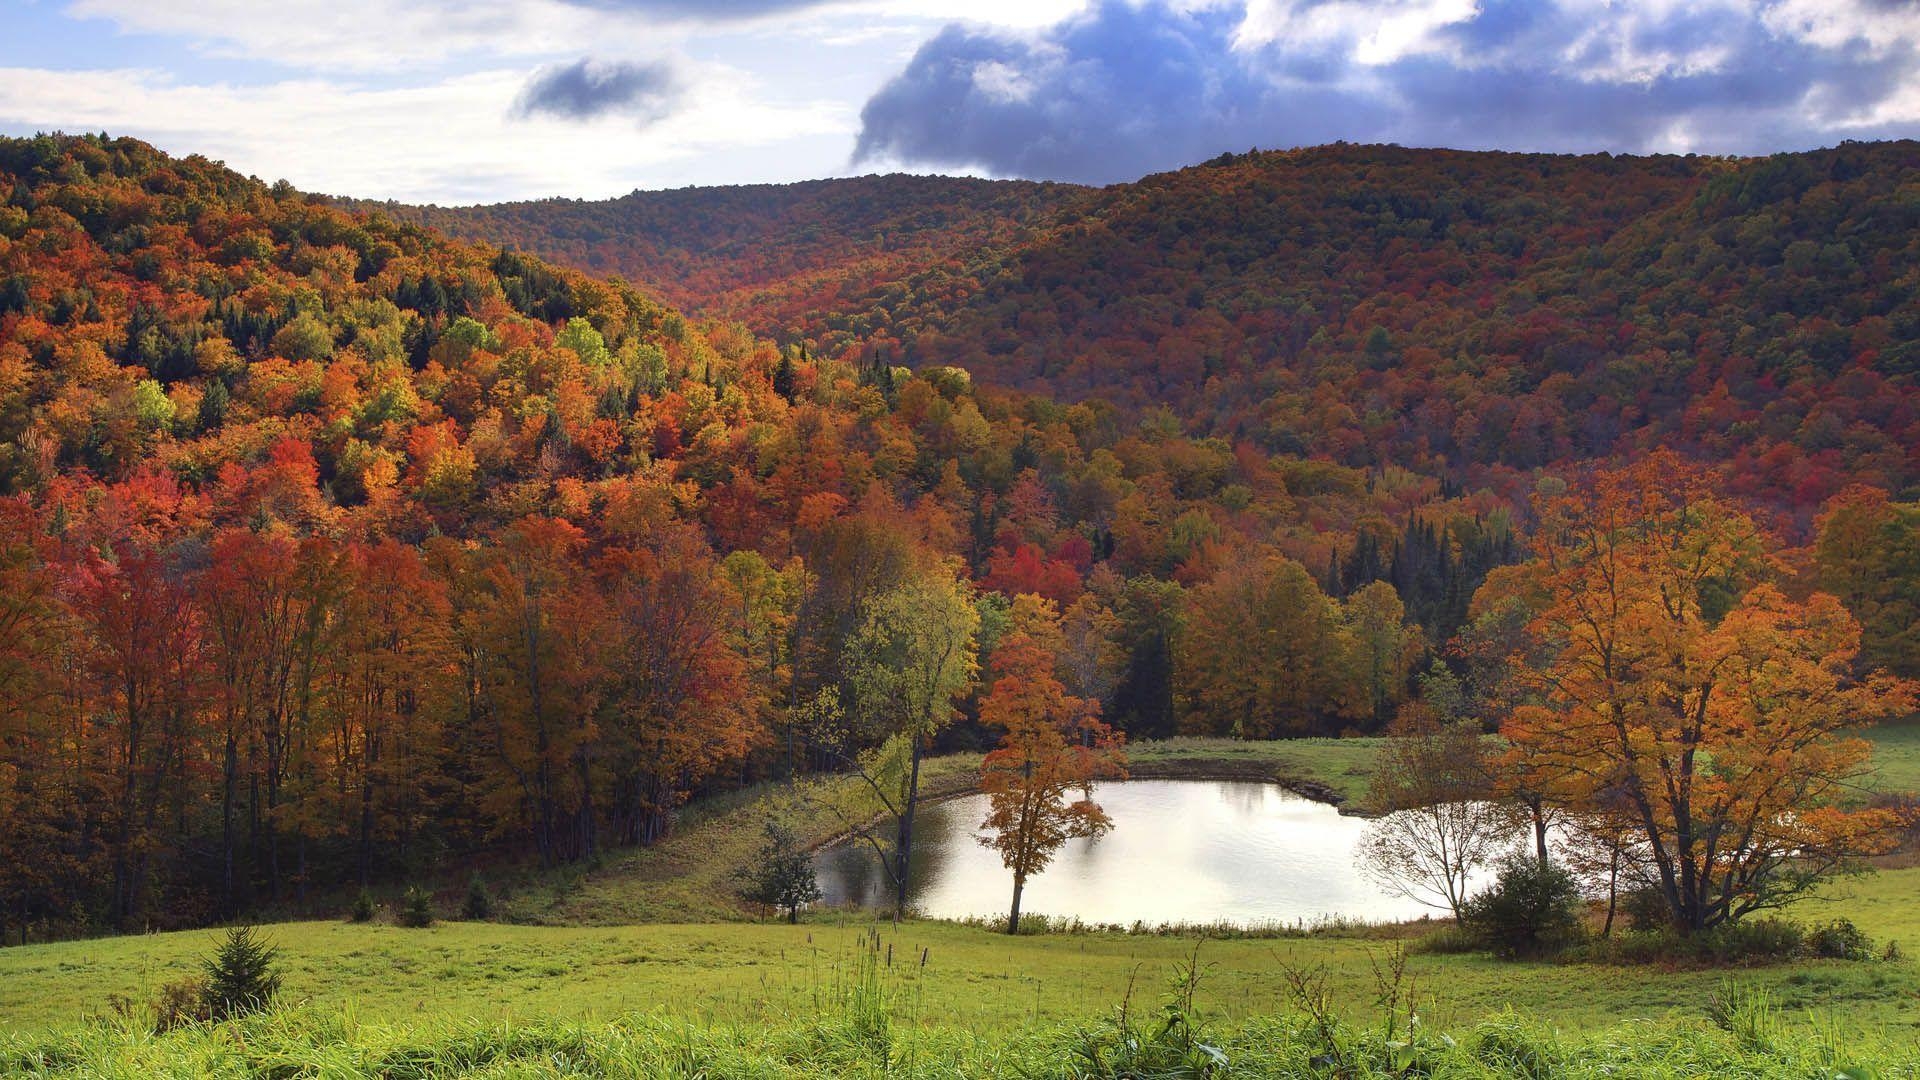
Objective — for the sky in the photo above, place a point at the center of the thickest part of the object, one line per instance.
(463, 101)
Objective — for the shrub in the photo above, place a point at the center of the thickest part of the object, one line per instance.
(1746, 941)
(1531, 910)
(1645, 910)
(1448, 941)
(362, 909)
(181, 1002)
(416, 908)
(478, 905)
(781, 876)
(240, 975)
(1839, 940)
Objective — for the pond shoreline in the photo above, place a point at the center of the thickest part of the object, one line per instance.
(945, 788)
(1250, 850)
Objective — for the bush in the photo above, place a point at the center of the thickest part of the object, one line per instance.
(1531, 910)
(240, 976)
(1839, 940)
(1645, 910)
(1746, 941)
(1448, 941)
(781, 875)
(362, 909)
(416, 908)
(181, 1002)
(478, 905)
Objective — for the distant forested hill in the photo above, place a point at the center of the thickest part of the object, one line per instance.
(772, 256)
(1447, 311)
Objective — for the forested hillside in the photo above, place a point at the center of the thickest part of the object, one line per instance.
(333, 549)
(772, 256)
(1457, 313)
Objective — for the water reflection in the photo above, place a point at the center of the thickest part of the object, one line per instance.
(1180, 851)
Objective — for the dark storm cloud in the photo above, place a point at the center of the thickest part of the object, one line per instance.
(1122, 90)
(589, 88)
(1104, 97)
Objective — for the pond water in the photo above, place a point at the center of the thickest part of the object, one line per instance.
(1179, 851)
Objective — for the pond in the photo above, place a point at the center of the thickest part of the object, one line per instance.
(1180, 851)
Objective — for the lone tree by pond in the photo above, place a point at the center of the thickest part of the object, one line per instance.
(1054, 747)
(781, 876)
(914, 657)
(1688, 695)
(1435, 823)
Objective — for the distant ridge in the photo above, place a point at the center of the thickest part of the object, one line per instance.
(1439, 309)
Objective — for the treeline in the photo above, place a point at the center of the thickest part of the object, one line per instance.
(206, 709)
(771, 255)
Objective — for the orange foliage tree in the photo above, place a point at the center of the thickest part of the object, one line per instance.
(1686, 691)
(682, 699)
(1053, 747)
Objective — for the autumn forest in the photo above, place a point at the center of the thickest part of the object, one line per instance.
(346, 545)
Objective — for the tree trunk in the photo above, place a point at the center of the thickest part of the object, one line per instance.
(229, 784)
(366, 831)
(1013, 917)
(1613, 891)
(903, 849)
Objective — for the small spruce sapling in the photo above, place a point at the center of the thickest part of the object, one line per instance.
(478, 905)
(416, 909)
(240, 975)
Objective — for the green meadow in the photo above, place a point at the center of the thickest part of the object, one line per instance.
(644, 966)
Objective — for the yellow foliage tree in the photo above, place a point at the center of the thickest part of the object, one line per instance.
(1685, 692)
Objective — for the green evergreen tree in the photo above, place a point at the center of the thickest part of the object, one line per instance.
(416, 909)
(783, 376)
(240, 976)
(479, 903)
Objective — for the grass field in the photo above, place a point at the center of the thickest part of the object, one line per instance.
(696, 973)
(1896, 757)
(752, 972)
(733, 977)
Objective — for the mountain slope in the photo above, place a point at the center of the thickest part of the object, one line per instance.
(768, 255)
(333, 550)
(1455, 312)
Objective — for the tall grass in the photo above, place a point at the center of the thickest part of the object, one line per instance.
(866, 1021)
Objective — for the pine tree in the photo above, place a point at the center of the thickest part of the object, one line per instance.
(479, 903)
(240, 976)
(416, 910)
(783, 376)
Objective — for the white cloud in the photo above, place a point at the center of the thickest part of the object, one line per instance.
(449, 141)
(1882, 25)
(1372, 32)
